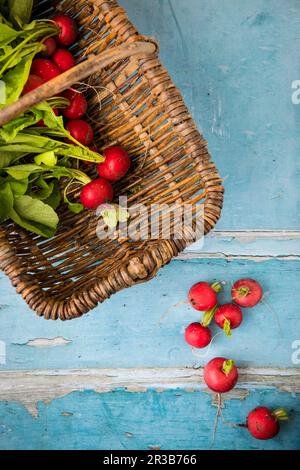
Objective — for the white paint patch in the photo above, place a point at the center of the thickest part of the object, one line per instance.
(47, 342)
(34, 386)
(249, 133)
(256, 234)
(229, 257)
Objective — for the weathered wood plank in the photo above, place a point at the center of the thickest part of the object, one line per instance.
(120, 420)
(253, 244)
(234, 63)
(34, 386)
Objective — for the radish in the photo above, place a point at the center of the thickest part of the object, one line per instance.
(68, 30)
(96, 192)
(78, 104)
(246, 292)
(32, 83)
(228, 317)
(116, 164)
(63, 59)
(262, 423)
(81, 131)
(220, 375)
(197, 335)
(202, 296)
(50, 47)
(45, 69)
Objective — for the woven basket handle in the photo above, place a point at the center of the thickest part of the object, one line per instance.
(94, 63)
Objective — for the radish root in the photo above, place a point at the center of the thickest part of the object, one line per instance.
(201, 356)
(218, 414)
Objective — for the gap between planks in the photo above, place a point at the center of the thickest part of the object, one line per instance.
(251, 234)
(29, 387)
(235, 240)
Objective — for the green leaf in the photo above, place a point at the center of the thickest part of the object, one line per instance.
(6, 201)
(112, 214)
(208, 316)
(49, 117)
(20, 172)
(60, 172)
(18, 187)
(10, 130)
(75, 207)
(7, 158)
(227, 366)
(45, 190)
(15, 80)
(7, 34)
(34, 215)
(20, 11)
(46, 158)
(55, 198)
(226, 327)
(2, 92)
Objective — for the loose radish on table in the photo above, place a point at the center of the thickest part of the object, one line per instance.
(50, 47)
(96, 192)
(44, 69)
(68, 30)
(117, 163)
(81, 131)
(262, 423)
(203, 296)
(197, 335)
(63, 59)
(220, 374)
(32, 83)
(246, 292)
(78, 104)
(228, 317)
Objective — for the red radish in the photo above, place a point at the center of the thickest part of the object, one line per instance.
(50, 46)
(197, 335)
(78, 104)
(63, 59)
(228, 317)
(116, 164)
(45, 69)
(246, 292)
(202, 296)
(32, 83)
(220, 375)
(41, 123)
(263, 423)
(67, 30)
(81, 131)
(96, 192)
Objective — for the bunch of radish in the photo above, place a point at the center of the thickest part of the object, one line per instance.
(203, 297)
(57, 59)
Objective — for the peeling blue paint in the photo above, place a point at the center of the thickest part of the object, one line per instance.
(122, 420)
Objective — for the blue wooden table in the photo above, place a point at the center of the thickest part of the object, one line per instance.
(122, 377)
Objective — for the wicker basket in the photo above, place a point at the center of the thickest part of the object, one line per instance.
(142, 110)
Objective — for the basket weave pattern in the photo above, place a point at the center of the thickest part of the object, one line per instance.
(142, 110)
